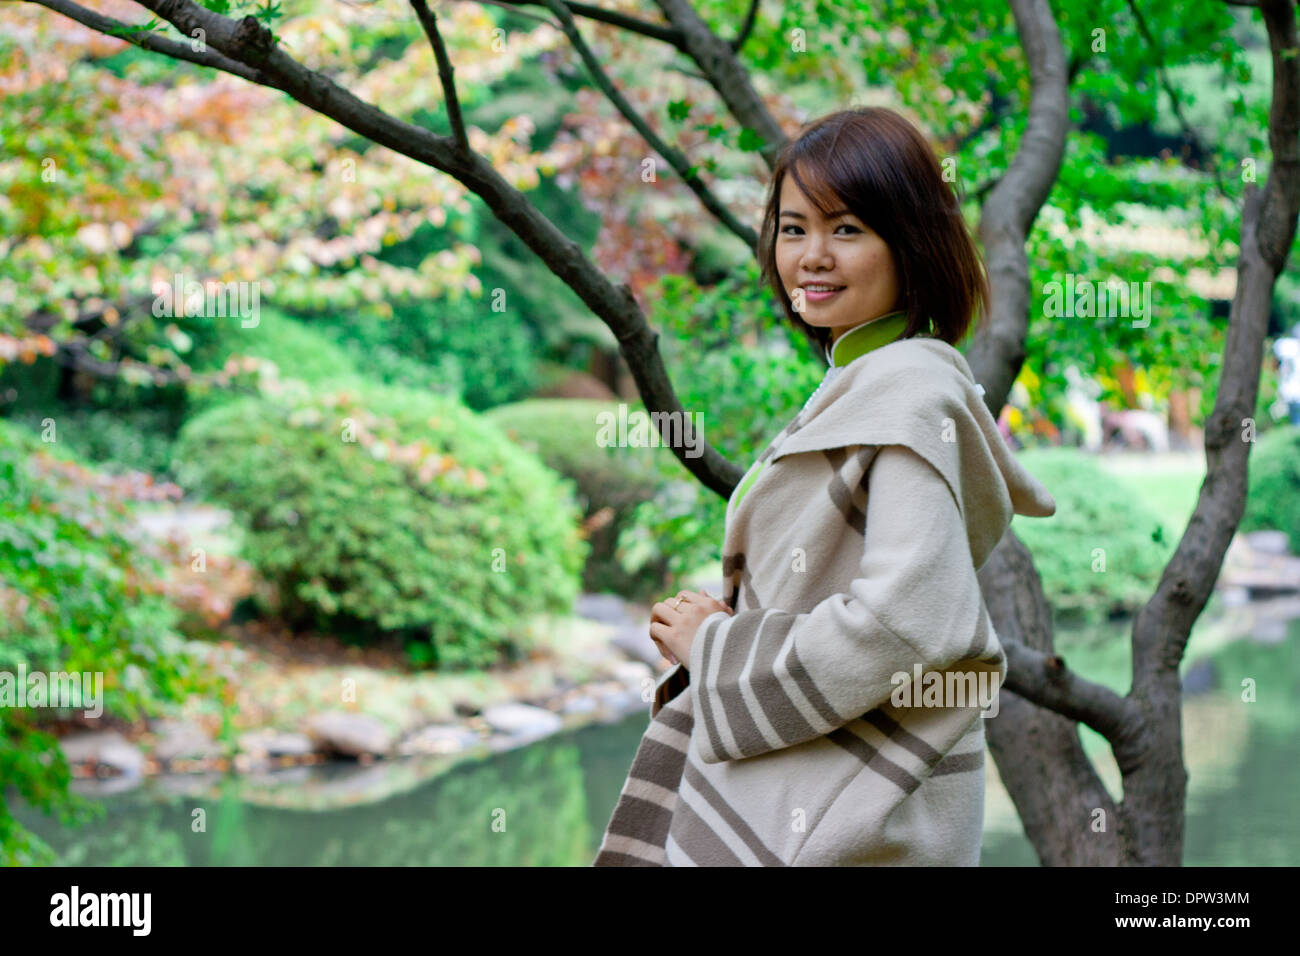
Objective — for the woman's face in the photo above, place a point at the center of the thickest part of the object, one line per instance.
(842, 252)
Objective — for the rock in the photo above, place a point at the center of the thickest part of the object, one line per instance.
(280, 776)
(522, 720)
(1268, 542)
(1270, 630)
(1201, 676)
(439, 739)
(178, 738)
(199, 785)
(350, 734)
(620, 703)
(632, 674)
(1234, 596)
(608, 608)
(104, 749)
(108, 787)
(635, 642)
(275, 743)
(582, 704)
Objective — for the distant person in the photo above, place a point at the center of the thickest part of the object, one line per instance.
(1287, 350)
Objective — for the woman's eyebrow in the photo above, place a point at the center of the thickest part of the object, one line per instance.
(835, 215)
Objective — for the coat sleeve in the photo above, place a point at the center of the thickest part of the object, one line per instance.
(764, 679)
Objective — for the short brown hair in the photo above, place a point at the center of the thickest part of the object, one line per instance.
(878, 165)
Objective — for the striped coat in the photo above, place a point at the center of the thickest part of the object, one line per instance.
(834, 718)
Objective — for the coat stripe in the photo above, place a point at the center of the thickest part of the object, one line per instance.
(718, 803)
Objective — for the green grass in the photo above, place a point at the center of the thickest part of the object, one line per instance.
(1168, 489)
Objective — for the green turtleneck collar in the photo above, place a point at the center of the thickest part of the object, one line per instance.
(861, 339)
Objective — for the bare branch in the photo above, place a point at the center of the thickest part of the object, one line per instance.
(513, 6)
(591, 12)
(1282, 192)
(726, 74)
(995, 355)
(746, 28)
(249, 43)
(1268, 227)
(679, 162)
(1039, 754)
(1045, 680)
(445, 72)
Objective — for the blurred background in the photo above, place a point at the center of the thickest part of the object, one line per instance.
(362, 583)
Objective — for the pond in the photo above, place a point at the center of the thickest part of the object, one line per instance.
(547, 804)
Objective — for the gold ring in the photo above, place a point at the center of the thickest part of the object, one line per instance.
(678, 604)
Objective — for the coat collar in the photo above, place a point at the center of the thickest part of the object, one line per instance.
(864, 337)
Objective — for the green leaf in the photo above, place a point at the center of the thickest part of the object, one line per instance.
(750, 141)
(268, 11)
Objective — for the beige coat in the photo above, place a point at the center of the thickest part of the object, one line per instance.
(849, 558)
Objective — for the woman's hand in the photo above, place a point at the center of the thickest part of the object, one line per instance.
(673, 623)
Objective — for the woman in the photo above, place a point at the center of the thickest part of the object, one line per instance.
(829, 712)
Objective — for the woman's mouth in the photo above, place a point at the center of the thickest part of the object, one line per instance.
(820, 293)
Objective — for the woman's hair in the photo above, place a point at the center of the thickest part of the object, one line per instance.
(878, 165)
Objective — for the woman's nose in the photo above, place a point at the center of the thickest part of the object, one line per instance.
(815, 254)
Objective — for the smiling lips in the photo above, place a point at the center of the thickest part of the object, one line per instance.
(820, 291)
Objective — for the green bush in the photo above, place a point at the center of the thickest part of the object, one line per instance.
(1103, 551)
(78, 593)
(611, 482)
(488, 357)
(300, 350)
(116, 439)
(1273, 486)
(390, 512)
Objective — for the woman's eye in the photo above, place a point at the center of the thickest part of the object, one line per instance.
(841, 226)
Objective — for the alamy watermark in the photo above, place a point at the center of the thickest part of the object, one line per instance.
(130, 910)
(76, 690)
(646, 430)
(1078, 297)
(946, 689)
(210, 299)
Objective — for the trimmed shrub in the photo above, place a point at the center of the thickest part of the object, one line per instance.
(1273, 485)
(610, 481)
(1103, 551)
(299, 350)
(390, 512)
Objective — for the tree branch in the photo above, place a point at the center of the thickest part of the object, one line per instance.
(1044, 680)
(745, 28)
(248, 42)
(1268, 228)
(445, 72)
(996, 354)
(679, 162)
(664, 34)
(716, 59)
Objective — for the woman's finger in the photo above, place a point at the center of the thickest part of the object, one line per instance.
(661, 611)
(663, 649)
